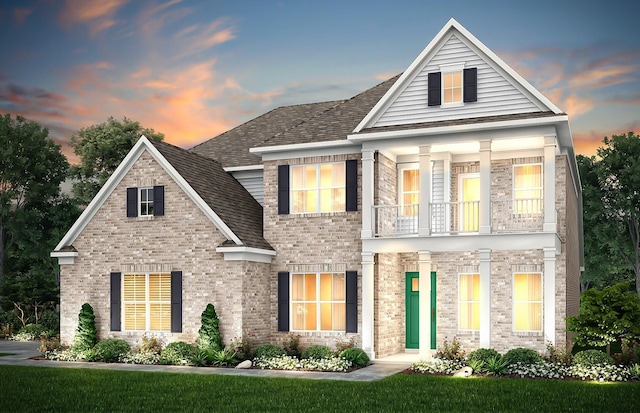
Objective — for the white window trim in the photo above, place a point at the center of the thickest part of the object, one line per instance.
(452, 68)
(513, 187)
(317, 188)
(467, 301)
(147, 302)
(513, 302)
(140, 201)
(317, 302)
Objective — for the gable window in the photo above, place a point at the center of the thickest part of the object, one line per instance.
(318, 301)
(527, 302)
(469, 302)
(145, 201)
(452, 86)
(146, 302)
(318, 188)
(527, 189)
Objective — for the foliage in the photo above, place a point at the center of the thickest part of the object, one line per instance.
(243, 346)
(345, 342)
(9, 322)
(590, 358)
(140, 357)
(50, 320)
(30, 332)
(177, 352)
(497, 366)
(356, 356)
(281, 362)
(291, 345)
(317, 351)
(86, 333)
(110, 350)
(149, 344)
(605, 316)
(559, 354)
(628, 353)
(49, 343)
(437, 366)
(634, 371)
(521, 355)
(101, 148)
(209, 333)
(599, 372)
(325, 364)
(478, 359)
(222, 358)
(269, 350)
(451, 351)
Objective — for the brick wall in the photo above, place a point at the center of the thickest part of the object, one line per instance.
(572, 239)
(389, 306)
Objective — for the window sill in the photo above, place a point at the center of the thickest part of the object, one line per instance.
(452, 105)
(527, 333)
(319, 214)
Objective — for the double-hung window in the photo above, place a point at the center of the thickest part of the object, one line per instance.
(527, 189)
(527, 302)
(318, 188)
(318, 301)
(452, 84)
(469, 302)
(146, 302)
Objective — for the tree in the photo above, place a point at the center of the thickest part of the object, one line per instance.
(618, 171)
(101, 148)
(605, 316)
(86, 333)
(604, 266)
(31, 170)
(209, 333)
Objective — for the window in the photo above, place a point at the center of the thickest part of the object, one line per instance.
(527, 302)
(146, 202)
(527, 189)
(146, 300)
(410, 191)
(469, 302)
(452, 86)
(318, 188)
(318, 301)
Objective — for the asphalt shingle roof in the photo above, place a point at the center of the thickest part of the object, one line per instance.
(221, 191)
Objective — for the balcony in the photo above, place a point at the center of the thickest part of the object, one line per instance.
(458, 218)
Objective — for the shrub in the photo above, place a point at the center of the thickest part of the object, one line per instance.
(9, 323)
(521, 355)
(49, 343)
(590, 358)
(29, 332)
(560, 354)
(178, 352)
(478, 359)
(269, 351)
(223, 358)
(344, 342)
(109, 350)
(291, 345)
(86, 334)
(209, 333)
(278, 363)
(326, 364)
(149, 345)
(50, 320)
(356, 356)
(317, 352)
(437, 366)
(201, 358)
(451, 351)
(628, 355)
(497, 366)
(634, 371)
(243, 346)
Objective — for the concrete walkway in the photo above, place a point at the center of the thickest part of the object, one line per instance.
(22, 351)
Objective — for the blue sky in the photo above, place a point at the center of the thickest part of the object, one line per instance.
(193, 69)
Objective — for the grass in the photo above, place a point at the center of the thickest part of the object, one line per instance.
(6, 354)
(32, 389)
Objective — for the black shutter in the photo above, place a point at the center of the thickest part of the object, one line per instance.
(132, 202)
(352, 185)
(116, 297)
(176, 301)
(283, 301)
(158, 201)
(470, 84)
(352, 302)
(434, 88)
(283, 189)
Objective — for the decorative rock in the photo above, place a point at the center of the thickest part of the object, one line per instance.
(244, 365)
(463, 372)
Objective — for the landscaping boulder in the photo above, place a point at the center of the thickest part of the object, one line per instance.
(463, 372)
(244, 365)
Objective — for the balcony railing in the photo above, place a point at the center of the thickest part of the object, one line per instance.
(451, 218)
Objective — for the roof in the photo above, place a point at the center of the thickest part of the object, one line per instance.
(241, 212)
(231, 148)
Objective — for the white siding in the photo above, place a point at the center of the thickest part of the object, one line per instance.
(496, 96)
(437, 183)
(255, 187)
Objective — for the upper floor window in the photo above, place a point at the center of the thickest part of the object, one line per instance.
(452, 86)
(409, 190)
(527, 302)
(318, 188)
(146, 202)
(527, 188)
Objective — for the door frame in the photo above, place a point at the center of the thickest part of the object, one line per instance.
(409, 277)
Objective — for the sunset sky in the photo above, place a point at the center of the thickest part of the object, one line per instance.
(194, 69)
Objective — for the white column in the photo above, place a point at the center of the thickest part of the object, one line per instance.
(368, 264)
(549, 295)
(367, 193)
(485, 298)
(424, 269)
(424, 221)
(549, 184)
(485, 187)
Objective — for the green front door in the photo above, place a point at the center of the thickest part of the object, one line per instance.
(412, 302)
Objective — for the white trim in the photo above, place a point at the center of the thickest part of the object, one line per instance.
(244, 168)
(299, 146)
(64, 257)
(241, 253)
(117, 176)
(426, 54)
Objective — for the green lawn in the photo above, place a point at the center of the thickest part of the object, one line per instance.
(61, 389)
(6, 354)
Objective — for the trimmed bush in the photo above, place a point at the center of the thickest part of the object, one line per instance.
(356, 356)
(222, 358)
(209, 333)
(30, 332)
(50, 320)
(86, 334)
(269, 351)
(318, 352)
(590, 358)
(521, 355)
(178, 352)
(109, 350)
(480, 358)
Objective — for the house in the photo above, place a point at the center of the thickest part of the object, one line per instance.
(442, 202)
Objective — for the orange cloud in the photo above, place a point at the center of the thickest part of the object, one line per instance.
(575, 106)
(587, 143)
(98, 15)
(601, 77)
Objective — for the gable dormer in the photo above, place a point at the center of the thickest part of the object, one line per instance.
(455, 77)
